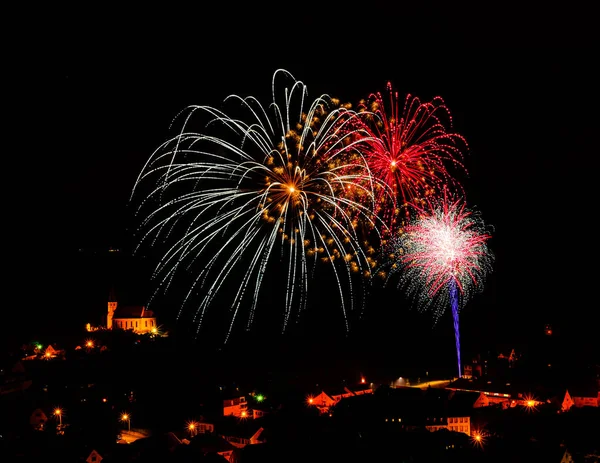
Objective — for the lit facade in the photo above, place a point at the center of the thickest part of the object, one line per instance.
(135, 318)
(236, 407)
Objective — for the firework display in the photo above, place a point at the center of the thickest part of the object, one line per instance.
(442, 258)
(260, 185)
(412, 149)
(250, 190)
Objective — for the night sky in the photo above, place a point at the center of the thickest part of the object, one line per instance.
(101, 88)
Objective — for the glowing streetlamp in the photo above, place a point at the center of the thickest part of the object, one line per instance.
(58, 412)
(530, 402)
(192, 428)
(126, 417)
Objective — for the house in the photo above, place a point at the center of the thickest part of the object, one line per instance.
(94, 457)
(397, 409)
(471, 399)
(567, 457)
(213, 444)
(236, 407)
(240, 433)
(407, 408)
(258, 412)
(51, 352)
(580, 397)
(14, 380)
(200, 427)
(136, 318)
(459, 409)
(495, 393)
(325, 400)
(38, 419)
(157, 447)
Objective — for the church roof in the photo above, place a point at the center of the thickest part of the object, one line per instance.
(133, 311)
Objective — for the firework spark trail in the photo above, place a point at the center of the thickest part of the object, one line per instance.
(454, 302)
(268, 177)
(442, 258)
(410, 150)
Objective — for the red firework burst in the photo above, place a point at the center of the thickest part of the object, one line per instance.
(410, 150)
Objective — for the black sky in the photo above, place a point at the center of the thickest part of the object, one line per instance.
(100, 89)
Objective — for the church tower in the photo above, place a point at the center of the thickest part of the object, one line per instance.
(112, 306)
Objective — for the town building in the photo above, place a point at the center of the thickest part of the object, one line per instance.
(237, 407)
(135, 318)
(324, 400)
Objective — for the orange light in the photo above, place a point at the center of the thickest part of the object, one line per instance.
(104, 399)
(124, 417)
(363, 380)
(478, 439)
(530, 402)
(57, 411)
(192, 426)
(244, 414)
(89, 344)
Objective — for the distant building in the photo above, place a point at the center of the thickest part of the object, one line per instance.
(51, 352)
(489, 393)
(240, 433)
(38, 419)
(327, 399)
(94, 457)
(202, 428)
(14, 379)
(236, 407)
(582, 397)
(209, 443)
(135, 318)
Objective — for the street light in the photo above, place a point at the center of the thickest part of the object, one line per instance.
(126, 417)
(192, 428)
(478, 439)
(58, 412)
